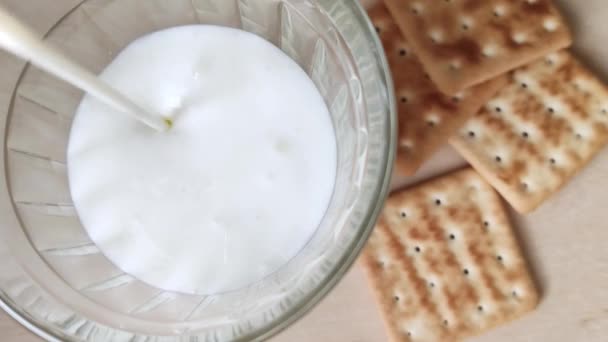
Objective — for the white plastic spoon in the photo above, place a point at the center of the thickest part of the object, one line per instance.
(20, 40)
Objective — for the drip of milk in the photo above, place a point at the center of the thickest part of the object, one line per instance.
(233, 191)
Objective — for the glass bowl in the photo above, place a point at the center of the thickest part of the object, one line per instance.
(55, 281)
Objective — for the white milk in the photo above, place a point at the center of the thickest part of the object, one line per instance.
(233, 191)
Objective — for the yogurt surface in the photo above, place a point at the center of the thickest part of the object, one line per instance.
(233, 191)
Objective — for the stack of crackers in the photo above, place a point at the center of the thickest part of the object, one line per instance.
(493, 78)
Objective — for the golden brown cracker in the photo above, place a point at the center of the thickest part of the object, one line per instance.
(427, 118)
(539, 131)
(462, 43)
(444, 263)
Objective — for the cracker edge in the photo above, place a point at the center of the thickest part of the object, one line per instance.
(484, 168)
(493, 86)
(366, 260)
(451, 87)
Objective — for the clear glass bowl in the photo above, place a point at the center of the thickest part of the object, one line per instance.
(53, 278)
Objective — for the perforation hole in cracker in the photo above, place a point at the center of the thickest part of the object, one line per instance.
(474, 186)
(457, 97)
(499, 11)
(406, 144)
(438, 200)
(551, 24)
(551, 59)
(472, 130)
(455, 65)
(466, 23)
(489, 50)
(554, 106)
(417, 8)
(527, 131)
(382, 261)
(432, 120)
(436, 36)
(519, 38)
(405, 96)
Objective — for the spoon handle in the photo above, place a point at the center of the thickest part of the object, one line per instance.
(18, 39)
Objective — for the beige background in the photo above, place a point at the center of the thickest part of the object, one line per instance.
(566, 240)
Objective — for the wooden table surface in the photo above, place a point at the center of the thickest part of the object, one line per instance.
(565, 241)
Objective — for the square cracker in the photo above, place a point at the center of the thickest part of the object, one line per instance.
(539, 131)
(465, 42)
(444, 264)
(427, 118)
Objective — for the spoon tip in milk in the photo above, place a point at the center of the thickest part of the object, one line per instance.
(168, 123)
